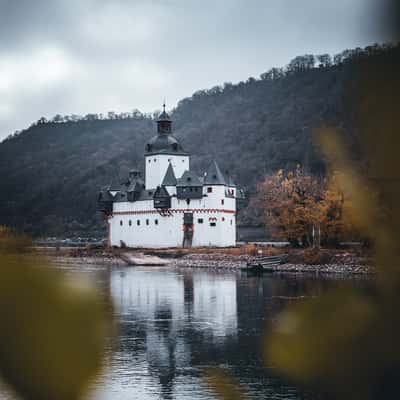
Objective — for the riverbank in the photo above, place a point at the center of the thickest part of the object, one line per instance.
(297, 261)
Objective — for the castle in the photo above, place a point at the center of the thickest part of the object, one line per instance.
(172, 207)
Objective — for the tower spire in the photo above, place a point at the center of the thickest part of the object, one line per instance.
(164, 121)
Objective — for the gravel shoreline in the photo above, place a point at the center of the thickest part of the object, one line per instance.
(349, 265)
(238, 262)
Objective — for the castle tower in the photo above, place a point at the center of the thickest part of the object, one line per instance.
(161, 151)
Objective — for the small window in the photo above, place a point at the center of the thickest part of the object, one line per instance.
(169, 160)
(138, 222)
(200, 220)
(183, 160)
(147, 222)
(213, 224)
(121, 223)
(155, 160)
(149, 160)
(222, 201)
(231, 222)
(209, 190)
(130, 223)
(223, 219)
(156, 221)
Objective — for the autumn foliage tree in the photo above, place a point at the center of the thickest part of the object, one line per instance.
(301, 208)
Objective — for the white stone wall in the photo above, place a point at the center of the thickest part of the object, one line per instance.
(156, 167)
(214, 222)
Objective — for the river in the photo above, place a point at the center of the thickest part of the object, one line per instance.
(173, 324)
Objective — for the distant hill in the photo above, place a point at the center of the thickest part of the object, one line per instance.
(52, 171)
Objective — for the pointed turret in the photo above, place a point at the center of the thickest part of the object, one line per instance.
(214, 175)
(164, 122)
(229, 180)
(189, 179)
(169, 178)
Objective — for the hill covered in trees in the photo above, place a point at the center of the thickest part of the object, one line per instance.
(52, 171)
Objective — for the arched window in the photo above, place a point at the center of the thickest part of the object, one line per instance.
(120, 222)
(130, 223)
(138, 222)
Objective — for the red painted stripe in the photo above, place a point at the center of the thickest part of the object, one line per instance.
(193, 210)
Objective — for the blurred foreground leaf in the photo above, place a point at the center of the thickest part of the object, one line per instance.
(344, 342)
(53, 329)
(223, 385)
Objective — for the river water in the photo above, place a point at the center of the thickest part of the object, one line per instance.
(174, 324)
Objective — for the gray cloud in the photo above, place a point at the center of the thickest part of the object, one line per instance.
(81, 56)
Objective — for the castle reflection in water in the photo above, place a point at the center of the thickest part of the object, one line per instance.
(174, 324)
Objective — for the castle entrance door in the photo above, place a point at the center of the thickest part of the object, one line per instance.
(187, 230)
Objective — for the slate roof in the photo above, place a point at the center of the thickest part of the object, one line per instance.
(229, 180)
(164, 117)
(161, 191)
(104, 195)
(188, 179)
(135, 186)
(164, 144)
(114, 186)
(214, 175)
(169, 178)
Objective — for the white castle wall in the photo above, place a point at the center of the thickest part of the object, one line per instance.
(155, 230)
(156, 167)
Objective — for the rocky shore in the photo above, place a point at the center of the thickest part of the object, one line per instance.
(338, 262)
(345, 265)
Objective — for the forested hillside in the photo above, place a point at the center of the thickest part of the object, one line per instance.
(52, 171)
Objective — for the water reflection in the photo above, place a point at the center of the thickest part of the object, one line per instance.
(175, 323)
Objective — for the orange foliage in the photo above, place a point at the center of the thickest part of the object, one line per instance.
(301, 208)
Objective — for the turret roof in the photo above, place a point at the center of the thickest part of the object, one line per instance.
(169, 178)
(229, 180)
(164, 117)
(189, 179)
(214, 175)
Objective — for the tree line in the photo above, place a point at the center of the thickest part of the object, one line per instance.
(303, 63)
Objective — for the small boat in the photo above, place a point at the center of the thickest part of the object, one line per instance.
(264, 264)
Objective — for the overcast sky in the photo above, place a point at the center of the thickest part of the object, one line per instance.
(81, 56)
